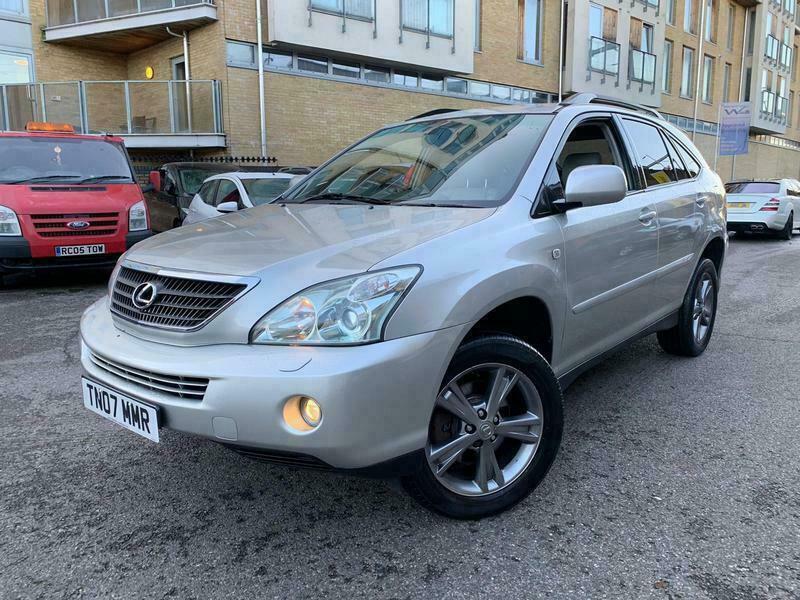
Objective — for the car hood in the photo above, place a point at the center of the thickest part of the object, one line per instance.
(324, 241)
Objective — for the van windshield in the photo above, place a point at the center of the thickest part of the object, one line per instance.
(471, 161)
(42, 160)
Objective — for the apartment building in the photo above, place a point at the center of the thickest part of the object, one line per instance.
(181, 78)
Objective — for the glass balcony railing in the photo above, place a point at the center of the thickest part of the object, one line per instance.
(772, 47)
(603, 56)
(70, 12)
(786, 56)
(781, 107)
(127, 108)
(767, 103)
(642, 67)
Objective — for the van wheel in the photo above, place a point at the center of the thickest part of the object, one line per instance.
(786, 232)
(696, 316)
(494, 432)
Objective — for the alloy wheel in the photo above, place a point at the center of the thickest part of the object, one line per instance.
(485, 430)
(703, 308)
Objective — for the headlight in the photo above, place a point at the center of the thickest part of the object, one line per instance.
(9, 224)
(344, 311)
(137, 217)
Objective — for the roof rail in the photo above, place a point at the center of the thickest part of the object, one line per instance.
(435, 111)
(588, 98)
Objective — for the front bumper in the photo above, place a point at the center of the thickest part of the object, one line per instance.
(757, 221)
(16, 255)
(376, 399)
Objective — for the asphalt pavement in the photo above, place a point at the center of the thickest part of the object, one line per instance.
(677, 478)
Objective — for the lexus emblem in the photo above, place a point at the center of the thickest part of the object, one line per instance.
(78, 224)
(144, 295)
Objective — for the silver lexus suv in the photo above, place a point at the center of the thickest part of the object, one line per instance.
(415, 307)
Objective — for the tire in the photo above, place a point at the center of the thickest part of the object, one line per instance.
(682, 339)
(786, 232)
(528, 387)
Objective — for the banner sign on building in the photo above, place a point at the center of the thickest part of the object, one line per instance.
(734, 126)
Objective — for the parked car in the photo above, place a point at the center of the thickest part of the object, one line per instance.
(424, 329)
(172, 188)
(230, 192)
(66, 200)
(765, 206)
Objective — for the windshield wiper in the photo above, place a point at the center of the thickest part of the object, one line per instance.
(96, 178)
(40, 179)
(345, 197)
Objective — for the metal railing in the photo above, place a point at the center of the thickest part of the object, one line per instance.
(71, 12)
(172, 107)
(642, 67)
(781, 107)
(361, 10)
(772, 47)
(786, 56)
(603, 57)
(654, 4)
(430, 17)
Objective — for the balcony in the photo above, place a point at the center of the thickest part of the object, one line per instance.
(772, 48)
(603, 58)
(642, 69)
(123, 26)
(786, 57)
(147, 114)
(781, 108)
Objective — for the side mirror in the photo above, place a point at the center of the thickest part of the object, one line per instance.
(228, 207)
(594, 185)
(155, 181)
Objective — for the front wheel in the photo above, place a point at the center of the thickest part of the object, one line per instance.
(696, 316)
(494, 432)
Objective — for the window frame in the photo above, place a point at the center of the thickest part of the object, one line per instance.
(667, 67)
(689, 95)
(220, 182)
(522, 34)
(213, 185)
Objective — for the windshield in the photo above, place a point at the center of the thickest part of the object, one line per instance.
(264, 191)
(753, 187)
(40, 160)
(466, 161)
(192, 179)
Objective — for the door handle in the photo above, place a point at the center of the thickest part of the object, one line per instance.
(646, 218)
(700, 200)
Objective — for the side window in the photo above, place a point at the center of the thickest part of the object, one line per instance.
(168, 186)
(227, 192)
(650, 153)
(590, 143)
(680, 170)
(692, 166)
(206, 192)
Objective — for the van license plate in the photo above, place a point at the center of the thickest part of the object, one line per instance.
(80, 250)
(131, 414)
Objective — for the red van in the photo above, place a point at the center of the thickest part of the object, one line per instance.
(66, 200)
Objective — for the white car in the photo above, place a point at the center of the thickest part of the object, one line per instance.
(763, 206)
(229, 192)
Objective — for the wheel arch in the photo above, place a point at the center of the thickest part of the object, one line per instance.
(715, 251)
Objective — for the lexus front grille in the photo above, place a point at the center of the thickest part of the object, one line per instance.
(181, 303)
(190, 388)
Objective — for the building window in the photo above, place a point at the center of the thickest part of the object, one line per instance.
(477, 25)
(278, 60)
(241, 54)
(15, 7)
(603, 49)
(15, 67)
(346, 69)
(731, 24)
(670, 12)
(432, 82)
(748, 78)
(376, 74)
(794, 64)
(479, 89)
(434, 16)
(709, 20)
(353, 8)
(726, 82)
(751, 30)
(708, 78)
(312, 64)
(455, 85)
(687, 71)
(530, 34)
(404, 78)
(688, 15)
(666, 68)
(789, 111)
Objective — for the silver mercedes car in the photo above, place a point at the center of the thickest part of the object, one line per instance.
(415, 307)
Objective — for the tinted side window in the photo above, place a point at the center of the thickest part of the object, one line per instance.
(227, 192)
(206, 192)
(650, 153)
(692, 166)
(681, 172)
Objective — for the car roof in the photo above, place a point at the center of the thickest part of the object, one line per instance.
(253, 175)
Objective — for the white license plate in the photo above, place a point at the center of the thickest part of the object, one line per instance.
(80, 250)
(131, 414)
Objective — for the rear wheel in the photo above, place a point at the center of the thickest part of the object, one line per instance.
(494, 432)
(696, 316)
(786, 232)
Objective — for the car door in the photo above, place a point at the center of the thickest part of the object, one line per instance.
(679, 204)
(164, 212)
(202, 205)
(610, 250)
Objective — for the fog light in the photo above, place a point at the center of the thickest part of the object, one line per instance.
(310, 411)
